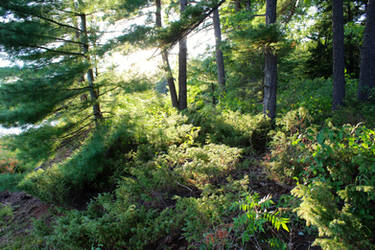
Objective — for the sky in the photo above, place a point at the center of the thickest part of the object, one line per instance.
(148, 61)
(4, 63)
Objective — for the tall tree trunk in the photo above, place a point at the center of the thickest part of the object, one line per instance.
(164, 55)
(182, 77)
(237, 5)
(367, 71)
(90, 74)
(338, 54)
(270, 69)
(350, 65)
(219, 53)
(248, 5)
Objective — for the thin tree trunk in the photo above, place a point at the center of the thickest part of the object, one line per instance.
(164, 55)
(182, 77)
(338, 54)
(79, 38)
(367, 71)
(90, 74)
(350, 65)
(170, 80)
(248, 5)
(237, 5)
(270, 70)
(213, 94)
(219, 53)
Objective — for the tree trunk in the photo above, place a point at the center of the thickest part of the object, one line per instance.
(349, 50)
(164, 55)
(90, 74)
(270, 69)
(182, 77)
(219, 53)
(237, 5)
(367, 71)
(248, 5)
(338, 54)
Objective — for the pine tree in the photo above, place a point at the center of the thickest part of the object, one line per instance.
(51, 42)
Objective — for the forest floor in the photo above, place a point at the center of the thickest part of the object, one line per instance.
(17, 224)
(16, 219)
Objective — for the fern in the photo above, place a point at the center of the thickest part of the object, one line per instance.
(256, 215)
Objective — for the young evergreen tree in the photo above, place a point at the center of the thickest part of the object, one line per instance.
(367, 72)
(338, 54)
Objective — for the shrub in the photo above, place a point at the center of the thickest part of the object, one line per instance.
(289, 145)
(231, 128)
(256, 218)
(337, 195)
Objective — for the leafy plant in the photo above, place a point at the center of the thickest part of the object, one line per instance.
(257, 215)
(337, 193)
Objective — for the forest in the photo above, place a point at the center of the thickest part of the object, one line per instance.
(261, 138)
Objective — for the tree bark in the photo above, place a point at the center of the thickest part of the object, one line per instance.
(219, 53)
(164, 55)
(367, 67)
(248, 5)
(270, 69)
(338, 54)
(349, 50)
(182, 77)
(237, 5)
(90, 74)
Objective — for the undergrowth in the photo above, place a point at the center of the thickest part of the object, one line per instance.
(155, 178)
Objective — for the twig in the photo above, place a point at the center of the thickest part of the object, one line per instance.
(184, 186)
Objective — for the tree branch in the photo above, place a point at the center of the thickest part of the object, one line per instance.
(52, 50)
(195, 25)
(44, 36)
(45, 18)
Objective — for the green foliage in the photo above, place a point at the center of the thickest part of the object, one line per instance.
(320, 46)
(288, 153)
(336, 195)
(231, 128)
(255, 217)
(313, 95)
(138, 215)
(150, 177)
(9, 182)
(81, 170)
(28, 147)
(5, 211)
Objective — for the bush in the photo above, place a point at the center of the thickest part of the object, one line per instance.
(231, 128)
(338, 191)
(289, 145)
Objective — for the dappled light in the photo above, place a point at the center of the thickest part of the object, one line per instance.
(206, 124)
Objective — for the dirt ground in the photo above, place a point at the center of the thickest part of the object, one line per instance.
(17, 223)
